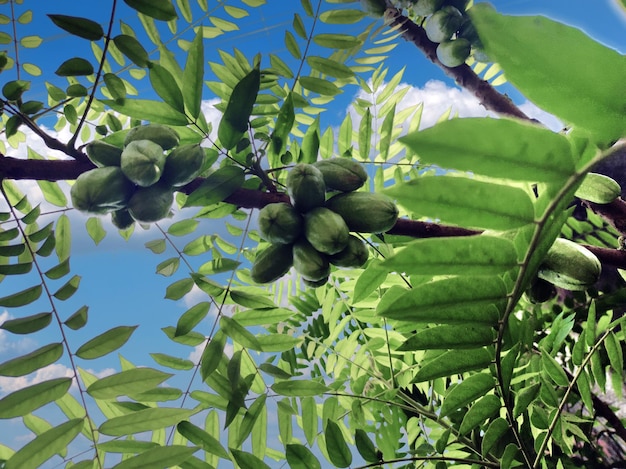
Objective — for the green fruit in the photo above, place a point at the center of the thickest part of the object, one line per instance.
(280, 223)
(150, 204)
(443, 24)
(354, 255)
(427, 7)
(454, 53)
(599, 189)
(103, 154)
(142, 162)
(183, 165)
(309, 262)
(306, 187)
(162, 135)
(101, 190)
(374, 8)
(315, 283)
(342, 174)
(570, 266)
(326, 230)
(365, 212)
(272, 263)
(122, 219)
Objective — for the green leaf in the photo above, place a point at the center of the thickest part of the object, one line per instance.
(172, 362)
(160, 456)
(554, 369)
(247, 460)
(212, 355)
(178, 289)
(284, 123)
(251, 300)
(32, 361)
(44, 446)
(53, 193)
(556, 81)
(12, 250)
(22, 298)
(494, 433)
(67, 290)
(465, 202)
(105, 343)
(466, 255)
(292, 45)
(278, 342)
(373, 276)
(250, 418)
(115, 86)
(484, 409)
(366, 448)
(192, 317)
(259, 317)
(31, 398)
(152, 418)
(132, 48)
(330, 67)
(301, 457)
(320, 86)
(614, 351)
(365, 134)
(166, 87)
(127, 383)
(337, 41)
(216, 187)
(598, 188)
(467, 391)
(461, 300)
(168, 267)
(299, 388)
(524, 397)
(78, 319)
(145, 109)
(81, 27)
(158, 9)
(499, 148)
(126, 446)
(450, 336)
(16, 269)
(234, 122)
(218, 266)
(454, 362)
(59, 270)
(76, 66)
(347, 16)
(193, 76)
(28, 324)
(238, 333)
(62, 238)
(336, 446)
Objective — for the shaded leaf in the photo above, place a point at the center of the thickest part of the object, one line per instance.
(337, 41)
(193, 75)
(44, 446)
(301, 457)
(33, 397)
(76, 66)
(78, 319)
(554, 369)
(494, 433)
(336, 446)
(450, 336)
(216, 187)
(212, 354)
(105, 343)
(27, 324)
(21, 298)
(364, 445)
(192, 317)
(67, 290)
(172, 362)
(238, 333)
(81, 27)
(484, 409)
(158, 9)
(234, 122)
(248, 460)
(32, 361)
(132, 48)
(467, 391)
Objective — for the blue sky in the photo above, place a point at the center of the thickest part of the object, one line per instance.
(118, 277)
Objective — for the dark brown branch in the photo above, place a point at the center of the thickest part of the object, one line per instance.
(463, 75)
(614, 213)
(47, 170)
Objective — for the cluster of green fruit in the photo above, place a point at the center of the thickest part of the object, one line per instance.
(314, 232)
(137, 182)
(567, 265)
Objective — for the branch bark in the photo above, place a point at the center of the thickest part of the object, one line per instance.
(463, 75)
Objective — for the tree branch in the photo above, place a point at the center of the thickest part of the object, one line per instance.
(463, 75)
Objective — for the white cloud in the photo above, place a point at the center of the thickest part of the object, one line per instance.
(13, 344)
(56, 370)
